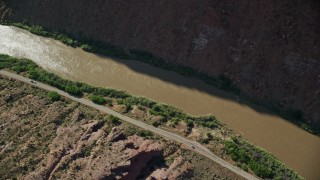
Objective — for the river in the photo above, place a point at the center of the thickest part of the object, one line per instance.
(292, 145)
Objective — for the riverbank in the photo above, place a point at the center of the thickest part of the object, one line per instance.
(222, 82)
(265, 166)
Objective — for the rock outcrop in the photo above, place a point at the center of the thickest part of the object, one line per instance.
(85, 157)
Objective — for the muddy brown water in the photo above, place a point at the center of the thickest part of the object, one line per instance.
(292, 145)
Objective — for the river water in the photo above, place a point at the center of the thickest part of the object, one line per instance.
(293, 146)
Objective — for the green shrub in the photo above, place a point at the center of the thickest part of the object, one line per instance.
(189, 124)
(155, 123)
(141, 108)
(211, 125)
(98, 99)
(175, 121)
(54, 96)
(128, 107)
(114, 120)
(145, 133)
(261, 170)
(152, 112)
(86, 47)
(207, 138)
(73, 90)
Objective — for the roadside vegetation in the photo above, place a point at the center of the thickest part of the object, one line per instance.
(221, 82)
(247, 156)
(262, 163)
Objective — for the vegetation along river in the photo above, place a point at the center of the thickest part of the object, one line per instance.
(292, 145)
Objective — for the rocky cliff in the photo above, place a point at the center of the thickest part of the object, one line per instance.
(269, 49)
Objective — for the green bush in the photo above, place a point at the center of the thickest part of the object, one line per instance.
(73, 90)
(190, 124)
(145, 133)
(114, 120)
(207, 138)
(152, 112)
(98, 99)
(175, 121)
(155, 123)
(86, 47)
(54, 96)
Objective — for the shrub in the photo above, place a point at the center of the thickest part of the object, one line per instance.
(155, 123)
(115, 120)
(211, 125)
(86, 47)
(98, 99)
(54, 96)
(145, 134)
(141, 108)
(175, 121)
(207, 138)
(73, 90)
(261, 170)
(152, 112)
(189, 124)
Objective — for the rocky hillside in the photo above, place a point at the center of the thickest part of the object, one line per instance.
(45, 139)
(269, 49)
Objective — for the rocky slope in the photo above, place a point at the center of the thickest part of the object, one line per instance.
(41, 139)
(270, 49)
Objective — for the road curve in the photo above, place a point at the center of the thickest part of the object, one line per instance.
(197, 147)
